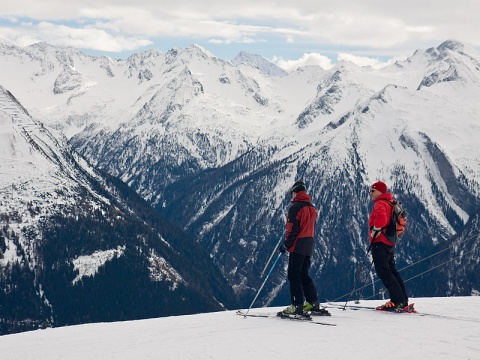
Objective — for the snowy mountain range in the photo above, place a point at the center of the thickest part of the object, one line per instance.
(214, 145)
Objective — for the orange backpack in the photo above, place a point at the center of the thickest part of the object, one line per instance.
(398, 219)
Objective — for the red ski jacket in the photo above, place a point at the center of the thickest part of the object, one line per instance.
(299, 229)
(380, 217)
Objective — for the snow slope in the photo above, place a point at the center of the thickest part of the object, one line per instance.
(359, 334)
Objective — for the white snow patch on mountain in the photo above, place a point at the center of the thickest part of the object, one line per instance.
(160, 270)
(88, 265)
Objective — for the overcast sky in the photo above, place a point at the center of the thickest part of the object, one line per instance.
(289, 33)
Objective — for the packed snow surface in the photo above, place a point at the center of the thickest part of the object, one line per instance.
(451, 330)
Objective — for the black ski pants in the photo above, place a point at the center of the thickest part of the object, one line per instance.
(301, 284)
(384, 261)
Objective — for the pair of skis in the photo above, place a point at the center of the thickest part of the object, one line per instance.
(303, 318)
(410, 309)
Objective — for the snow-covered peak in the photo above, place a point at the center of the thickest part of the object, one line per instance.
(346, 66)
(451, 45)
(152, 56)
(192, 53)
(201, 49)
(265, 66)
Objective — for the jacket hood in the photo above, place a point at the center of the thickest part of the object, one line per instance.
(387, 196)
(302, 196)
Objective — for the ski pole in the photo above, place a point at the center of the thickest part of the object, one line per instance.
(264, 281)
(273, 252)
(364, 283)
(358, 275)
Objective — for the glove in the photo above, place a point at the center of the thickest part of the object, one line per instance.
(375, 232)
(282, 249)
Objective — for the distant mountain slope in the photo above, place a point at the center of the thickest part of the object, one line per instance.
(77, 246)
(457, 263)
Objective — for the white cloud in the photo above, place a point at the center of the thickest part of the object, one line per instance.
(62, 35)
(307, 59)
(367, 61)
(326, 63)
